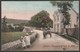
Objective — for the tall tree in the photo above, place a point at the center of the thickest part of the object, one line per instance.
(41, 20)
(64, 7)
(4, 24)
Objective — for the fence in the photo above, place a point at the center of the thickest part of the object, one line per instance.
(74, 32)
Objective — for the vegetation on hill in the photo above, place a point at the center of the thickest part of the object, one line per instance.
(12, 25)
(15, 21)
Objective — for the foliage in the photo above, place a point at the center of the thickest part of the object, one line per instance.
(64, 7)
(19, 28)
(41, 20)
(10, 28)
(17, 24)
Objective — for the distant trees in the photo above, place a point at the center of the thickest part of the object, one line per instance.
(41, 20)
(15, 28)
(19, 28)
(11, 28)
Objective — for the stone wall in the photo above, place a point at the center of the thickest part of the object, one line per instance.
(74, 32)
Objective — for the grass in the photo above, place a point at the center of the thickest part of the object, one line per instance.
(10, 36)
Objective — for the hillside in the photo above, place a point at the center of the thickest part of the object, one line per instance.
(15, 21)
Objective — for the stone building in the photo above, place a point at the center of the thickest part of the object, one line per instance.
(57, 22)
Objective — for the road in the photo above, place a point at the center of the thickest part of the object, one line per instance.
(55, 43)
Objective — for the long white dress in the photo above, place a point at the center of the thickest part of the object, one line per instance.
(27, 40)
(23, 44)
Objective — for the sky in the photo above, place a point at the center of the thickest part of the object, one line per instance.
(26, 9)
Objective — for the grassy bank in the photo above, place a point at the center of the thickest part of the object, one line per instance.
(10, 36)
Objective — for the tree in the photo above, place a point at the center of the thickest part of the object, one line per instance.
(4, 24)
(64, 7)
(41, 20)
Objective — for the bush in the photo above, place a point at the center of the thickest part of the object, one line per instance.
(19, 28)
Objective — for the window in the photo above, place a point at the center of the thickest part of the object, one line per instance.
(54, 17)
(57, 27)
(57, 17)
